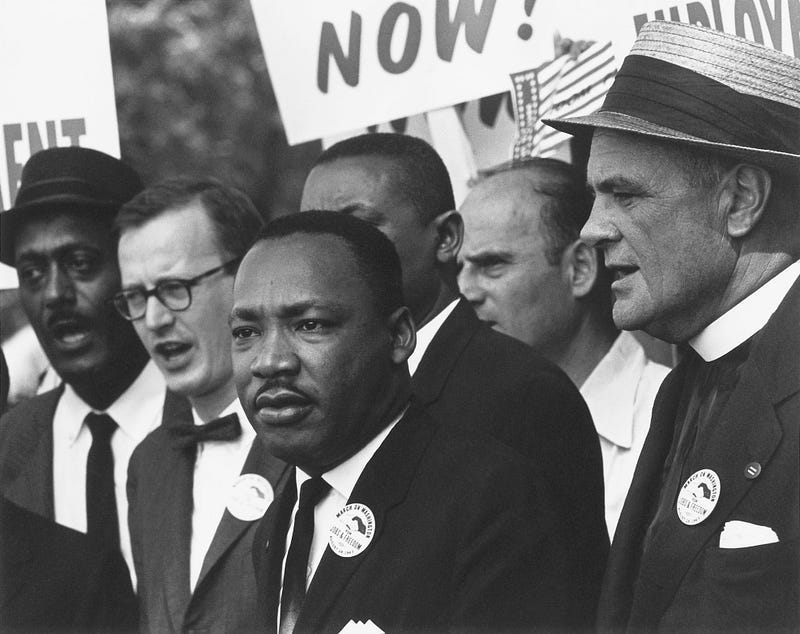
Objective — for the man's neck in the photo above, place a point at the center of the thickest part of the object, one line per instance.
(446, 296)
(209, 406)
(581, 354)
(101, 388)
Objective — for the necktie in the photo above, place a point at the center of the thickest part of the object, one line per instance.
(101, 502)
(190, 435)
(294, 576)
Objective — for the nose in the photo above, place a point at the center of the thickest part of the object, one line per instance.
(59, 288)
(275, 356)
(599, 228)
(157, 317)
(469, 286)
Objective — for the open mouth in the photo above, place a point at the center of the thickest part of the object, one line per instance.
(70, 333)
(171, 350)
(621, 272)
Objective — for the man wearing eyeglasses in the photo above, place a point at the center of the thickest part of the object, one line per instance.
(64, 454)
(197, 489)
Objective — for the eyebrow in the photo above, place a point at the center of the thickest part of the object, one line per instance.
(59, 252)
(613, 182)
(488, 254)
(248, 313)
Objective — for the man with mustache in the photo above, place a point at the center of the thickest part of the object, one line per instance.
(464, 373)
(694, 165)
(458, 530)
(64, 454)
(180, 243)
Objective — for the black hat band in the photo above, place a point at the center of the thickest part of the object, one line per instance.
(686, 101)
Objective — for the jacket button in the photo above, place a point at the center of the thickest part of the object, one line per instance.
(752, 471)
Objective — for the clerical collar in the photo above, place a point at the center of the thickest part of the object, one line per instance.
(746, 318)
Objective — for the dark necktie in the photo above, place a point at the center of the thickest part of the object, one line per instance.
(190, 435)
(101, 502)
(294, 575)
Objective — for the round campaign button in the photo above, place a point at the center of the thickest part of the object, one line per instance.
(352, 530)
(249, 498)
(698, 497)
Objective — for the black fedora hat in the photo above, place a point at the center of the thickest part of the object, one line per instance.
(67, 177)
(697, 86)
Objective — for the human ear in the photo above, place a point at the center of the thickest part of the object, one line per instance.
(745, 192)
(449, 235)
(403, 334)
(581, 265)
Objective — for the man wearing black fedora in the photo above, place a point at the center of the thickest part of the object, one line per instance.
(694, 164)
(64, 454)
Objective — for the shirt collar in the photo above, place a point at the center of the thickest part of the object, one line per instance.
(426, 334)
(610, 390)
(343, 477)
(133, 411)
(746, 318)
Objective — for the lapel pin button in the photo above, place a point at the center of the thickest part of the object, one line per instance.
(752, 471)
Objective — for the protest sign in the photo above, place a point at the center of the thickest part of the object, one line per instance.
(339, 65)
(773, 23)
(58, 90)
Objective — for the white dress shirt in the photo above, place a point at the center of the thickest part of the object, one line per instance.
(746, 318)
(216, 468)
(342, 479)
(426, 334)
(137, 411)
(620, 392)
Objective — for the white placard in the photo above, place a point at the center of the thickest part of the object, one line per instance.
(773, 23)
(57, 85)
(339, 65)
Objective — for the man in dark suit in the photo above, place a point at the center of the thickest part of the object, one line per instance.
(400, 522)
(463, 372)
(53, 578)
(696, 210)
(180, 243)
(64, 454)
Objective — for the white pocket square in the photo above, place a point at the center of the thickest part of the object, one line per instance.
(738, 534)
(359, 627)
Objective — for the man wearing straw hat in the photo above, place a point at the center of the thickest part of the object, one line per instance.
(694, 164)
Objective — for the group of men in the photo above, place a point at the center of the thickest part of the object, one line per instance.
(372, 415)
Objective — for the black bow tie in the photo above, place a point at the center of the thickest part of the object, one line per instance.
(225, 428)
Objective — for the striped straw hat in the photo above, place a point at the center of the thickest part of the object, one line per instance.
(701, 87)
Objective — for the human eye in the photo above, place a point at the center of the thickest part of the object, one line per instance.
(313, 326)
(30, 275)
(81, 263)
(243, 333)
(491, 266)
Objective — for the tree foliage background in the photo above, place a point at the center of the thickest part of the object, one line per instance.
(194, 97)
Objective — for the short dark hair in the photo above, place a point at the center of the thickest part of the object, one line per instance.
(420, 173)
(233, 214)
(374, 254)
(569, 200)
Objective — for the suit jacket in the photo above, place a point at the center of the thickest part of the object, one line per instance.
(465, 537)
(26, 449)
(687, 580)
(160, 485)
(476, 379)
(53, 579)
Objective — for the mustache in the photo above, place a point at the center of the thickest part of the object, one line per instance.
(62, 317)
(283, 385)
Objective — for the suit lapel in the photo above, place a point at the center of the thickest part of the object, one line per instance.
(33, 487)
(230, 529)
(749, 431)
(270, 546)
(637, 512)
(174, 530)
(399, 455)
(444, 350)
